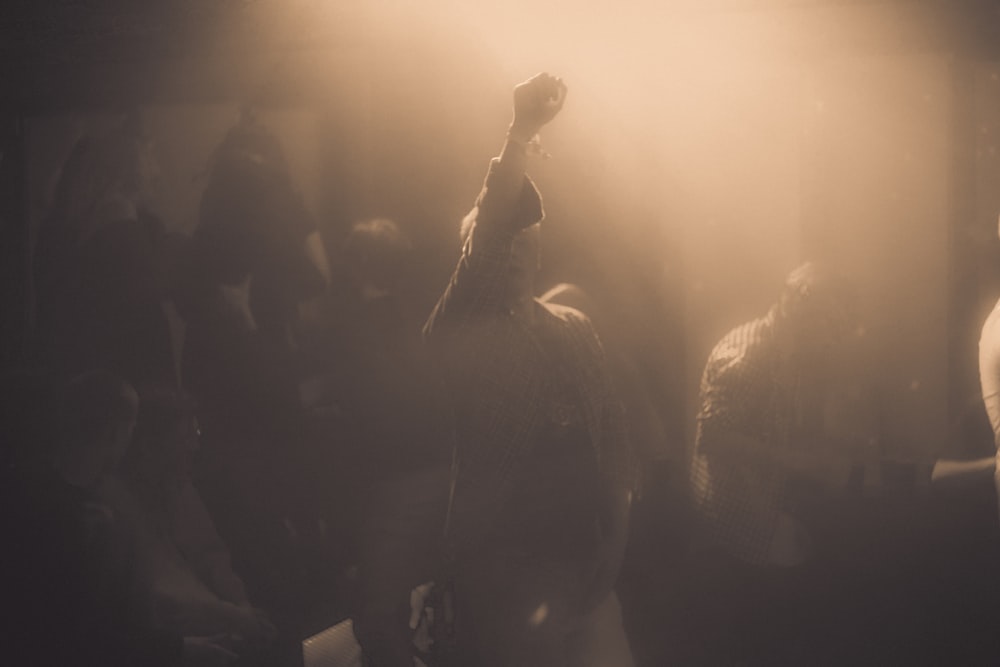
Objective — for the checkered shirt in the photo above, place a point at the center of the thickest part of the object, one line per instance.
(499, 374)
(741, 392)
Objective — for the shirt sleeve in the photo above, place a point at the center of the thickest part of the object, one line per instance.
(721, 391)
(478, 282)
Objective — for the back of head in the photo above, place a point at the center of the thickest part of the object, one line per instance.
(251, 219)
(103, 174)
(374, 252)
(249, 143)
(818, 301)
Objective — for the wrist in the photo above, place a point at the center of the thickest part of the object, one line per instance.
(525, 143)
(520, 134)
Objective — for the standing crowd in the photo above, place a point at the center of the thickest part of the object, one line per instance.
(228, 441)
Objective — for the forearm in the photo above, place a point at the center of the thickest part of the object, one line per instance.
(478, 285)
(506, 178)
(958, 473)
(507, 204)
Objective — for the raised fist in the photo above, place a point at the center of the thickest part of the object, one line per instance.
(536, 102)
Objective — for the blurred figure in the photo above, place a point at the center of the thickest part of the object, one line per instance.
(538, 522)
(384, 379)
(255, 233)
(375, 257)
(184, 575)
(249, 271)
(68, 568)
(762, 449)
(100, 263)
(397, 449)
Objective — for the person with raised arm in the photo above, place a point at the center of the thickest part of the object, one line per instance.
(543, 477)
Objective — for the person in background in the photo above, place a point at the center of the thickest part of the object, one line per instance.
(249, 271)
(761, 450)
(98, 289)
(67, 583)
(544, 475)
(397, 449)
(184, 574)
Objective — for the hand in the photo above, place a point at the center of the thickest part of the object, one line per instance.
(206, 652)
(418, 599)
(421, 616)
(536, 102)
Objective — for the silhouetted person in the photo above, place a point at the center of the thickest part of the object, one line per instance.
(184, 576)
(393, 464)
(249, 271)
(545, 477)
(99, 274)
(67, 583)
(760, 449)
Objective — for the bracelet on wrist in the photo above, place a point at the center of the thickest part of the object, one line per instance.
(533, 146)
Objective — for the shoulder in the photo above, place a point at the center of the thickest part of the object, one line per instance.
(741, 350)
(572, 320)
(566, 314)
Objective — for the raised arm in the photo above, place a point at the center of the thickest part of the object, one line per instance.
(536, 102)
(507, 204)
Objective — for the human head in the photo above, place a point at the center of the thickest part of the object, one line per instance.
(246, 212)
(104, 172)
(817, 305)
(374, 254)
(95, 416)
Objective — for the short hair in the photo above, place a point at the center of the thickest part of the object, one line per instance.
(89, 404)
(813, 286)
(377, 245)
(99, 166)
(250, 144)
(374, 235)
